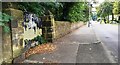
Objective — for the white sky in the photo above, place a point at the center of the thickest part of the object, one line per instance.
(98, 2)
(101, 1)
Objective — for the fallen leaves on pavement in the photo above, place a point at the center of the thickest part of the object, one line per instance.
(44, 48)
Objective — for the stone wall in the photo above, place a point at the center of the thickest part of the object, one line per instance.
(63, 27)
(76, 25)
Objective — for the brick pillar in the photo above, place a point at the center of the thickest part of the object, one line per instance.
(48, 28)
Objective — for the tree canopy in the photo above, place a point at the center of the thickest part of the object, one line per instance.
(116, 8)
(68, 11)
(105, 9)
(79, 12)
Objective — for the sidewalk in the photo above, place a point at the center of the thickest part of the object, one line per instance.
(78, 47)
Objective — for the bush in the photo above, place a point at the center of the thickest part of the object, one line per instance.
(4, 20)
(40, 39)
(79, 12)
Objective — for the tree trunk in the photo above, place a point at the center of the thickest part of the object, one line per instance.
(108, 18)
(119, 19)
(112, 16)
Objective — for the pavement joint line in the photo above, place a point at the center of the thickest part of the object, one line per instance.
(77, 53)
(105, 48)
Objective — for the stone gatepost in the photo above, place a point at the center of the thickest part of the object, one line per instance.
(1, 50)
(17, 30)
(7, 47)
(48, 28)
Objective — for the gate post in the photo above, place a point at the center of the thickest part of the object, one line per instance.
(48, 28)
(1, 50)
(16, 36)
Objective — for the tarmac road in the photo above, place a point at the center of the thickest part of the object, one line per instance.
(108, 34)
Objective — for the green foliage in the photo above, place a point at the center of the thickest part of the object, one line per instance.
(79, 12)
(6, 29)
(119, 7)
(4, 19)
(33, 7)
(105, 9)
(116, 8)
(54, 7)
(39, 8)
(40, 39)
(67, 11)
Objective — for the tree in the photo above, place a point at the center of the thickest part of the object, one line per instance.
(40, 8)
(78, 12)
(33, 7)
(67, 11)
(105, 9)
(115, 8)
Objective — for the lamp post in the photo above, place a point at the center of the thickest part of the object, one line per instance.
(89, 13)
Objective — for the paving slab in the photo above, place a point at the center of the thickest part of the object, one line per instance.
(92, 53)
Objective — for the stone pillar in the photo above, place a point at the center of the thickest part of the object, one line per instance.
(7, 47)
(48, 28)
(17, 30)
(1, 50)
